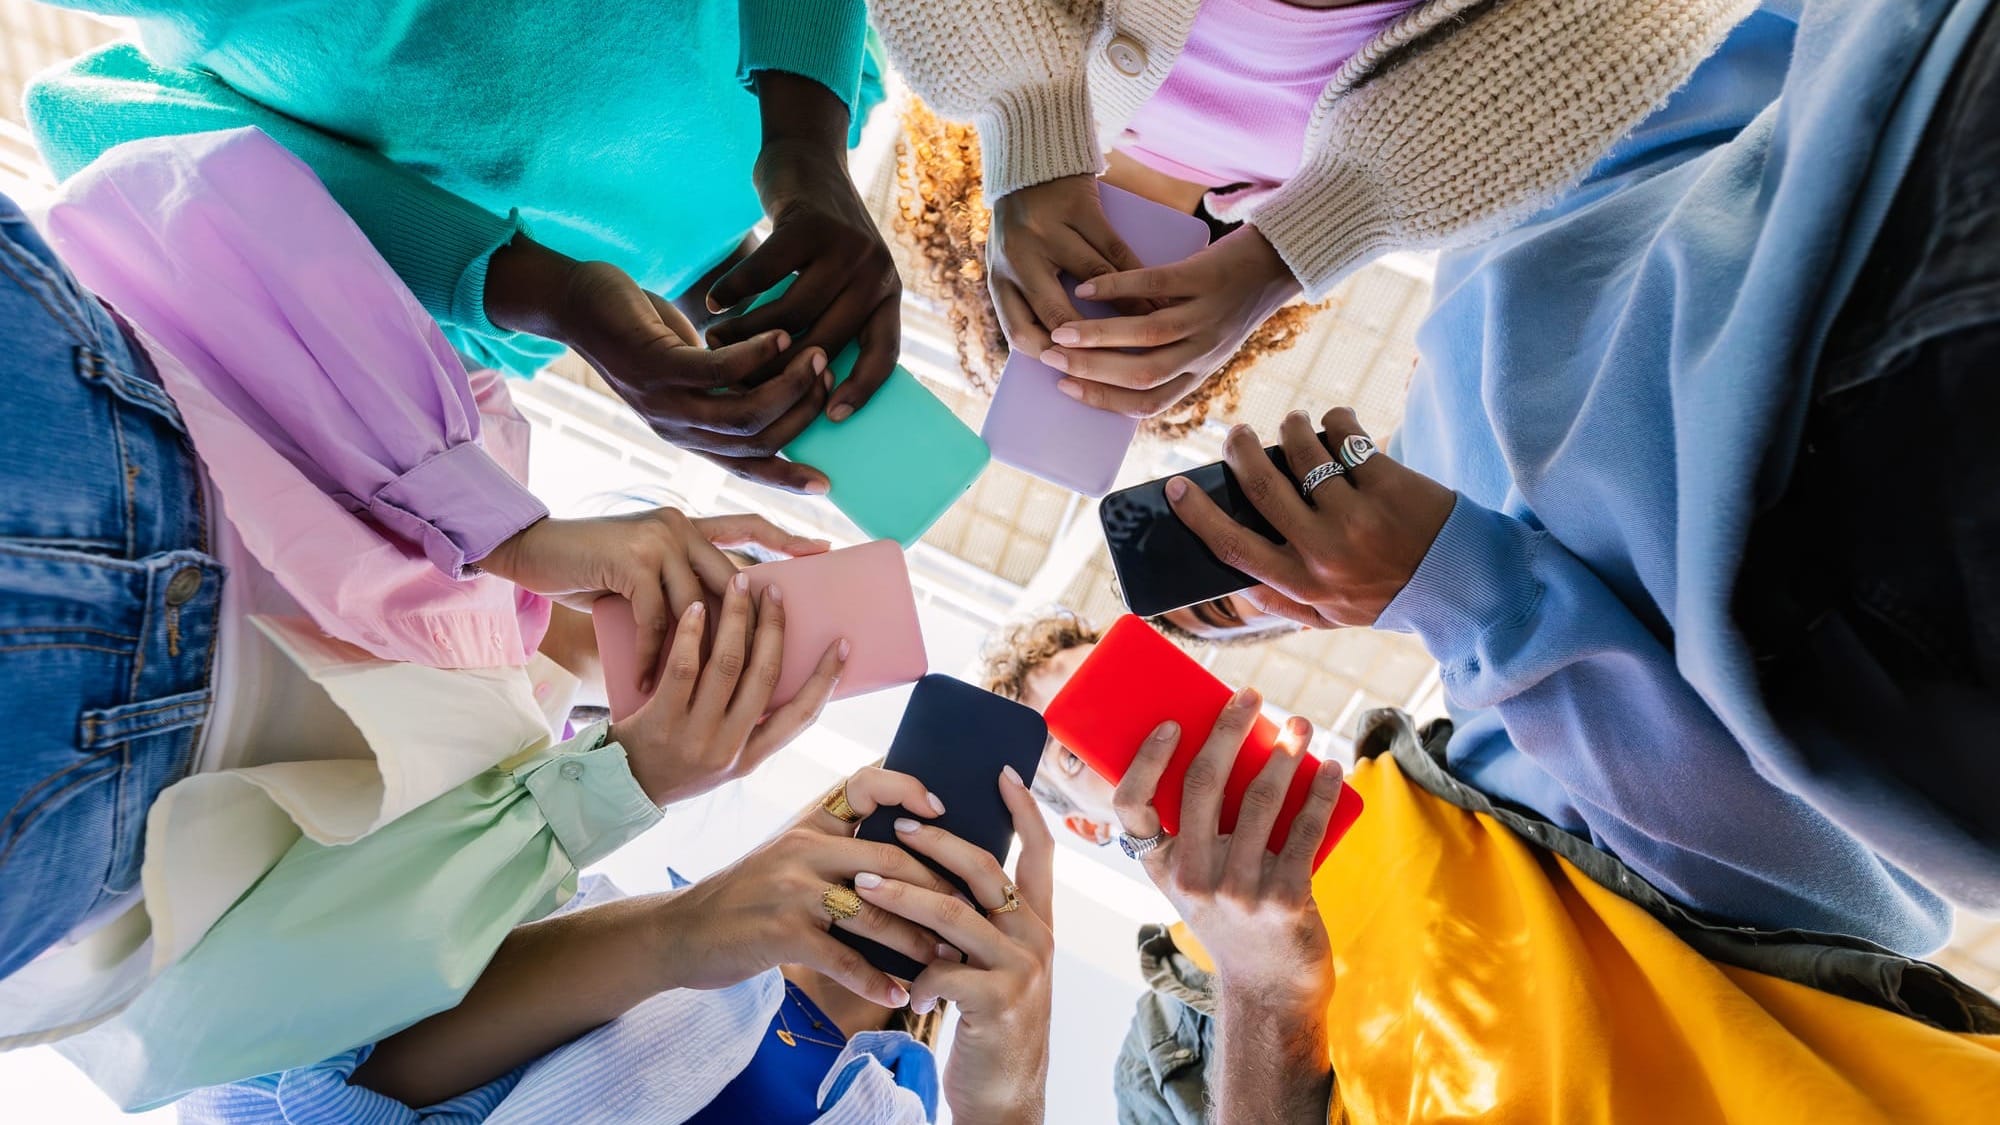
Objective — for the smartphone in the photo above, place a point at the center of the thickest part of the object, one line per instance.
(860, 593)
(1136, 679)
(1038, 429)
(897, 463)
(954, 738)
(1163, 566)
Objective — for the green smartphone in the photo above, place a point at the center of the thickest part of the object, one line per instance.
(898, 462)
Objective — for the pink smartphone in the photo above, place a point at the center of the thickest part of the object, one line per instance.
(1038, 429)
(859, 593)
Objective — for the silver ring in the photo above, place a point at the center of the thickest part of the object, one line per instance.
(1356, 448)
(1319, 475)
(1140, 848)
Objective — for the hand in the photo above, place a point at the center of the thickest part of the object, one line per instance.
(660, 561)
(847, 288)
(1253, 911)
(999, 1060)
(1039, 234)
(1208, 304)
(764, 910)
(1348, 552)
(647, 351)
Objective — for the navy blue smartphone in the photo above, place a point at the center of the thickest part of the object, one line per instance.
(954, 738)
(1161, 565)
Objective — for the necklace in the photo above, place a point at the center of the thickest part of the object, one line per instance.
(790, 1038)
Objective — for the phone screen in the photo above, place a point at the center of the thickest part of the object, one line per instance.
(1161, 565)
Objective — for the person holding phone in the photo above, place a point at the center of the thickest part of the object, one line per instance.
(1449, 948)
(727, 1000)
(540, 181)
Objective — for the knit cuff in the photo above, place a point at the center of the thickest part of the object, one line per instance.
(1041, 133)
(823, 40)
(1327, 223)
(1478, 576)
(440, 245)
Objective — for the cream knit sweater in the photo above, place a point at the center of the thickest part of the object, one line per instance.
(1459, 118)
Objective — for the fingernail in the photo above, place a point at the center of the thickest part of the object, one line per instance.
(937, 806)
(694, 612)
(1176, 488)
(1008, 773)
(1071, 388)
(712, 305)
(1087, 289)
(1055, 359)
(1247, 697)
(923, 1007)
(1300, 415)
(741, 582)
(782, 338)
(845, 648)
(867, 880)
(905, 825)
(819, 362)
(840, 412)
(818, 487)
(949, 952)
(826, 381)
(1169, 731)
(1065, 335)
(774, 595)
(899, 996)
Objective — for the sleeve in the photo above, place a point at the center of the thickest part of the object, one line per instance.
(342, 945)
(823, 40)
(321, 1092)
(1015, 68)
(227, 250)
(438, 243)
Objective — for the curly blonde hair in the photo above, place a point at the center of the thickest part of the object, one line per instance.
(941, 213)
(1013, 654)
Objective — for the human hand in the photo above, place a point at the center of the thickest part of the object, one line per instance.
(1039, 234)
(1206, 305)
(1252, 910)
(693, 397)
(765, 909)
(847, 288)
(1000, 1053)
(1348, 551)
(660, 560)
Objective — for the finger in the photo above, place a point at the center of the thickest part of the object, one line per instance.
(683, 585)
(1304, 452)
(874, 788)
(683, 669)
(1133, 799)
(1155, 283)
(822, 952)
(1153, 330)
(653, 621)
(726, 657)
(1292, 874)
(1042, 288)
(839, 859)
(1258, 811)
(713, 570)
(1208, 774)
(764, 418)
(893, 930)
(1131, 403)
(1276, 604)
(774, 472)
(760, 674)
(1074, 255)
(1035, 870)
(970, 862)
(1268, 489)
(801, 710)
(881, 342)
(675, 320)
(747, 529)
(947, 915)
(1095, 227)
(1340, 423)
(788, 250)
(1141, 370)
(1233, 544)
(1017, 321)
(972, 989)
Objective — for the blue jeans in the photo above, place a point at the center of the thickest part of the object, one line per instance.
(108, 602)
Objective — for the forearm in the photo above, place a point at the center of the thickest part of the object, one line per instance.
(796, 110)
(549, 982)
(1274, 1065)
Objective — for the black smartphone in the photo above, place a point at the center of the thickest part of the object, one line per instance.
(954, 738)
(1161, 565)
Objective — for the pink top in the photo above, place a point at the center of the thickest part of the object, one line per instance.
(1235, 107)
(341, 431)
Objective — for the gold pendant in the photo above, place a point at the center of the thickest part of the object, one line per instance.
(785, 1037)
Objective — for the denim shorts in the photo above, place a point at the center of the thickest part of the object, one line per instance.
(108, 600)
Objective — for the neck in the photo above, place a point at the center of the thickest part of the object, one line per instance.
(850, 1013)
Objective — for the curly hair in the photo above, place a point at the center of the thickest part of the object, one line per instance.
(941, 213)
(1013, 654)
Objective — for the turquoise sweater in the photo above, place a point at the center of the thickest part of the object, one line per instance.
(621, 132)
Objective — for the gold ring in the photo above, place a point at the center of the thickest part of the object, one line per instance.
(835, 803)
(840, 902)
(1013, 897)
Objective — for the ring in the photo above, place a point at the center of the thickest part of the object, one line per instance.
(840, 902)
(1140, 847)
(1355, 449)
(1013, 896)
(1319, 475)
(835, 803)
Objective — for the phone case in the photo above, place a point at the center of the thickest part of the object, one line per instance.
(1135, 680)
(1038, 429)
(954, 738)
(861, 593)
(1162, 565)
(897, 463)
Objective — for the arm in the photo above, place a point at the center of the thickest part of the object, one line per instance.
(1274, 1064)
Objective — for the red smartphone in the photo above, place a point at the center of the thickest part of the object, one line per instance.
(1135, 680)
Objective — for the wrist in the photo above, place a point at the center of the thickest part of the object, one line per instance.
(500, 561)
(527, 286)
(800, 115)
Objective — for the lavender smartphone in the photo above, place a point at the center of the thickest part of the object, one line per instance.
(859, 593)
(1038, 429)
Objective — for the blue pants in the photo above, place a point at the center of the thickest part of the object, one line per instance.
(108, 602)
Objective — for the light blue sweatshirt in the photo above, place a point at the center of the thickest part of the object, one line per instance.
(1615, 389)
